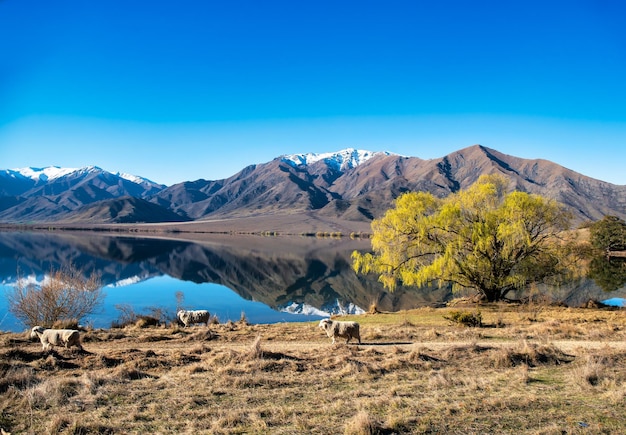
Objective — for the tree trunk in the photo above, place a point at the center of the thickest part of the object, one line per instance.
(492, 295)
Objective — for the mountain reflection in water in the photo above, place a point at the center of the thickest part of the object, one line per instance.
(270, 279)
(259, 276)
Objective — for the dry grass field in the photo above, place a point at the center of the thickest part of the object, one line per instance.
(528, 369)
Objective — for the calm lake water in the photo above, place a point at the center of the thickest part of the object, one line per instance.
(269, 279)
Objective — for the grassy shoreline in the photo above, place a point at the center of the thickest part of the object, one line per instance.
(529, 369)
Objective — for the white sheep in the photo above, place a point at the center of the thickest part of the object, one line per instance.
(56, 337)
(193, 316)
(335, 328)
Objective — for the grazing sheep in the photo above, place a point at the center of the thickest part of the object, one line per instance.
(335, 329)
(56, 337)
(194, 316)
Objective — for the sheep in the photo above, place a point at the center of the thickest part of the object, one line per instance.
(194, 316)
(56, 337)
(336, 328)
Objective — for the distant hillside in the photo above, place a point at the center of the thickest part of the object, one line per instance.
(123, 210)
(350, 185)
(364, 191)
(56, 194)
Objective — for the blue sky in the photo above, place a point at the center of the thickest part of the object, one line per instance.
(177, 91)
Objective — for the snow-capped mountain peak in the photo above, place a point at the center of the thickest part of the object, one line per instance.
(45, 174)
(51, 173)
(340, 160)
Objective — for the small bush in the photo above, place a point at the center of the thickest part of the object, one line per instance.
(127, 316)
(64, 295)
(465, 318)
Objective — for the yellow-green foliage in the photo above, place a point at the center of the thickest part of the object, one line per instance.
(481, 238)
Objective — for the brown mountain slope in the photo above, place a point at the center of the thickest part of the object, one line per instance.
(124, 210)
(377, 182)
(366, 191)
(260, 189)
(587, 198)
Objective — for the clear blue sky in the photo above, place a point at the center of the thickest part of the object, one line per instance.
(177, 91)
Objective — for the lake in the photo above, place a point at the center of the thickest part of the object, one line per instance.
(268, 279)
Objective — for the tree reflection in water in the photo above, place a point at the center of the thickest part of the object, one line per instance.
(299, 272)
(608, 273)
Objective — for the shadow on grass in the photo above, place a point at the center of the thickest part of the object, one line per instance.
(279, 356)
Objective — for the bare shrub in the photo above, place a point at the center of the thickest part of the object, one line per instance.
(64, 295)
(127, 316)
(161, 314)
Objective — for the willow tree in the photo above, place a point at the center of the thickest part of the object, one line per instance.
(481, 238)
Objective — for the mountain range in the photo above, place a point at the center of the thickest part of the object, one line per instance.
(349, 185)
